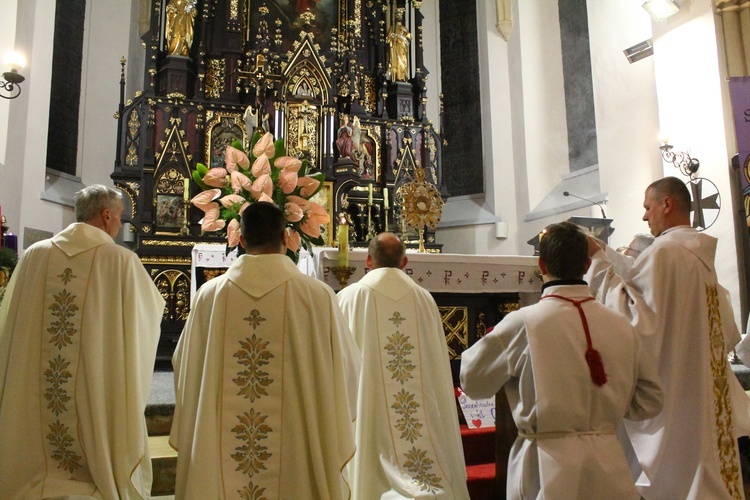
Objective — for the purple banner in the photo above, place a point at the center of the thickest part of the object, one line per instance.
(739, 91)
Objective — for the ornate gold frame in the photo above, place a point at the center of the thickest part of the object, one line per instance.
(324, 198)
(214, 120)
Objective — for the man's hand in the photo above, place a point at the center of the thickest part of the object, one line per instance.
(595, 245)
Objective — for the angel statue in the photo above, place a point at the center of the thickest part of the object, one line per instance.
(399, 39)
(361, 150)
(179, 26)
(344, 141)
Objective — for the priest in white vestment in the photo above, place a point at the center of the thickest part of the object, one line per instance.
(571, 369)
(408, 437)
(266, 379)
(684, 318)
(79, 328)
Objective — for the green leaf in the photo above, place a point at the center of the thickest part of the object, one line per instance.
(279, 148)
(202, 169)
(198, 178)
(303, 169)
(317, 241)
(320, 176)
(238, 145)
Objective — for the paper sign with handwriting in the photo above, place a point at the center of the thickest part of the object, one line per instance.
(477, 412)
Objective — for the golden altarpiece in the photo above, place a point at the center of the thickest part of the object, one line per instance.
(342, 81)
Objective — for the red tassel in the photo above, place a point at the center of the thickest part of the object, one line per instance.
(596, 366)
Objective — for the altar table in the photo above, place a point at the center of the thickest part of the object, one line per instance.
(438, 273)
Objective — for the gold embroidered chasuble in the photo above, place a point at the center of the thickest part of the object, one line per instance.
(78, 332)
(266, 378)
(408, 439)
(672, 297)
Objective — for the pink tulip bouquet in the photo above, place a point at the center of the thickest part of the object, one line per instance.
(267, 175)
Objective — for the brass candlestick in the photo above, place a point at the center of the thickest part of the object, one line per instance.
(343, 273)
(370, 225)
(185, 231)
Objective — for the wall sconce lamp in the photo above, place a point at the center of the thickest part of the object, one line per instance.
(661, 9)
(639, 51)
(679, 159)
(10, 82)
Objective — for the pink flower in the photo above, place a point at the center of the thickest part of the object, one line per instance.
(234, 157)
(216, 177)
(240, 182)
(287, 181)
(233, 233)
(293, 212)
(316, 216)
(262, 185)
(211, 221)
(261, 166)
(308, 186)
(289, 163)
(292, 239)
(244, 206)
(300, 202)
(264, 145)
(265, 197)
(230, 200)
(203, 200)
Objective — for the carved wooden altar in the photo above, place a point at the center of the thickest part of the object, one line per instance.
(342, 81)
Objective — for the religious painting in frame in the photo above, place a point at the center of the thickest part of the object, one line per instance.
(169, 211)
(324, 198)
(296, 16)
(221, 130)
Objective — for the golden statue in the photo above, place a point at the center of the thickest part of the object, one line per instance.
(399, 39)
(179, 26)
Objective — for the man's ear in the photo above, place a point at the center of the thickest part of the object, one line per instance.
(404, 262)
(242, 242)
(543, 266)
(368, 261)
(668, 204)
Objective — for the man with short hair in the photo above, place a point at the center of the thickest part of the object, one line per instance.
(79, 328)
(571, 369)
(684, 319)
(266, 378)
(407, 435)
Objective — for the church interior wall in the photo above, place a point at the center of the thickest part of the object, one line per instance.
(681, 91)
(692, 102)
(626, 114)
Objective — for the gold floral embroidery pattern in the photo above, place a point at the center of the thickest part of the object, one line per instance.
(730, 470)
(419, 464)
(253, 381)
(254, 319)
(57, 375)
(67, 276)
(252, 492)
(60, 439)
(399, 348)
(252, 430)
(397, 319)
(62, 331)
(405, 406)
(63, 309)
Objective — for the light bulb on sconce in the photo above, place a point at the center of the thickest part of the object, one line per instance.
(679, 159)
(10, 82)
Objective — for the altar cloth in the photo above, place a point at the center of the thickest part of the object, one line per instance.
(437, 272)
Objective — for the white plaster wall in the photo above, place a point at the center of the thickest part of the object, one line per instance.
(24, 192)
(627, 120)
(692, 103)
(105, 43)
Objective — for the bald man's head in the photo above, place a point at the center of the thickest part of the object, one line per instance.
(386, 250)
